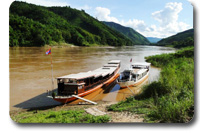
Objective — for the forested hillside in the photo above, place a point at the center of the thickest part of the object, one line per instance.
(182, 39)
(130, 33)
(32, 25)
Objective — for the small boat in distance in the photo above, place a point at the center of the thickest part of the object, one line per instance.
(73, 86)
(133, 76)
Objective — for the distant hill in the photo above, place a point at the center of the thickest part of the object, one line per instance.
(153, 39)
(182, 39)
(130, 33)
(32, 25)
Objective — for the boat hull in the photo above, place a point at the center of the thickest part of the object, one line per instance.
(133, 83)
(106, 83)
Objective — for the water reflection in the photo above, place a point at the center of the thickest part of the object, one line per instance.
(115, 88)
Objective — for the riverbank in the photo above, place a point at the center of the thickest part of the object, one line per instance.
(171, 98)
(74, 114)
(57, 115)
(64, 44)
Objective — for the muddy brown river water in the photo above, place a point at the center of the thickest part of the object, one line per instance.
(30, 71)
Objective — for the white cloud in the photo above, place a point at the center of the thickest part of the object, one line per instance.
(169, 14)
(167, 18)
(103, 14)
(46, 2)
(168, 22)
(135, 24)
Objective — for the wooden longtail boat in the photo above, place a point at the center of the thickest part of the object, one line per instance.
(84, 83)
(136, 74)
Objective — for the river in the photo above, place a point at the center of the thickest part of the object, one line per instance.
(30, 71)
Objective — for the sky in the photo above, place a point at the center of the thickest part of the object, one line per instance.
(151, 18)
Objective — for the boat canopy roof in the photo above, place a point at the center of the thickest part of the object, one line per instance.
(136, 71)
(141, 64)
(114, 62)
(111, 65)
(103, 71)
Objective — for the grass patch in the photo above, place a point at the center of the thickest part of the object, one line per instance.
(69, 116)
(131, 105)
(171, 98)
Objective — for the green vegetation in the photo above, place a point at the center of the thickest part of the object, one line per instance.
(70, 116)
(32, 25)
(183, 39)
(171, 98)
(130, 33)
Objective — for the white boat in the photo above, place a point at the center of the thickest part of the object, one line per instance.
(135, 75)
